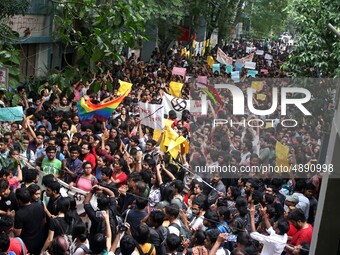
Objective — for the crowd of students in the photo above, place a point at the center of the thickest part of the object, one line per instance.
(147, 202)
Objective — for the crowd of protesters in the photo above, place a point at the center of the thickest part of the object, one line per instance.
(146, 201)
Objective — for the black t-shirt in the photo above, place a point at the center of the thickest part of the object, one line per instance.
(111, 186)
(9, 203)
(61, 227)
(29, 219)
(52, 205)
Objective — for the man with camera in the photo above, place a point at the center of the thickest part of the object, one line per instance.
(106, 202)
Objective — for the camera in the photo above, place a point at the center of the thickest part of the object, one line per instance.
(99, 214)
(122, 227)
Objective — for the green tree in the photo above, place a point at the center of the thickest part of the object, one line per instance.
(9, 8)
(317, 50)
(98, 30)
(166, 16)
(266, 17)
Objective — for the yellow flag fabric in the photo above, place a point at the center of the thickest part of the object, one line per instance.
(175, 146)
(261, 97)
(184, 52)
(268, 125)
(175, 89)
(157, 133)
(257, 85)
(194, 44)
(281, 152)
(210, 61)
(124, 86)
(170, 135)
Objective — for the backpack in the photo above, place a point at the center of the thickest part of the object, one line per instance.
(199, 250)
(83, 247)
(161, 249)
(182, 230)
(66, 236)
(141, 252)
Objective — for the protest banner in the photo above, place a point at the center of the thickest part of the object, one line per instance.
(223, 58)
(175, 103)
(257, 85)
(229, 69)
(252, 73)
(175, 88)
(268, 56)
(152, 115)
(235, 76)
(250, 65)
(238, 66)
(259, 52)
(210, 61)
(216, 67)
(179, 71)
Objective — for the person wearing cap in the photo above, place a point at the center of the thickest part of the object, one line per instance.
(290, 205)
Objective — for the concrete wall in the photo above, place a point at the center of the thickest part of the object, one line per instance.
(326, 235)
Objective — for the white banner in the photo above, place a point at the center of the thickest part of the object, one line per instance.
(223, 58)
(152, 115)
(174, 103)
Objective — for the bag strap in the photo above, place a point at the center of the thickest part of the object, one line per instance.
(92, 180)
(151, 249)
(22, 246)
(176, 226)
(139, 249)
(127, 212)
(83, 247)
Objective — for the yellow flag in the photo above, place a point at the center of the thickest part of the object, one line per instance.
(157, 133)
(281, 152)
(124, 86)
(175, 88)
(268, 125)
(194, 44)
(261, 97)
(210, 61)
(184, 52)
(174, 146)
(257, 85)
(170, 135)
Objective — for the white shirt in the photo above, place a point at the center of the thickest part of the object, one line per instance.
(197, 222)
(273, 244)
(174, 230)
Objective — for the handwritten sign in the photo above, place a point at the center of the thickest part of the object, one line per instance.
(152, 115)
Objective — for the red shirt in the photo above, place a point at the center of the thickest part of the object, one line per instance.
(292, 230)
(122, 177)
(302, 235)
(92, 159)
(15, 246)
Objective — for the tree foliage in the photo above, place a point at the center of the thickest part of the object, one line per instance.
(9, 8)
(317, 52)
(166, 16)
(98, 30)
(265, 17)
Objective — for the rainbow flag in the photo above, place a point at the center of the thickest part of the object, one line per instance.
(87, 110)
